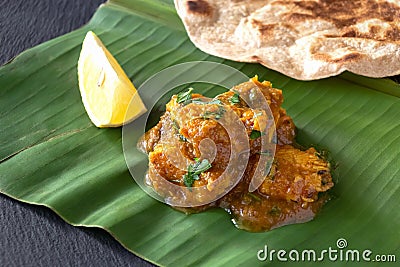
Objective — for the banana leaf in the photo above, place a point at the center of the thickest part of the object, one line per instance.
(52, 155)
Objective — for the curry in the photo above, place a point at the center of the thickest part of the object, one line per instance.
(195, 141)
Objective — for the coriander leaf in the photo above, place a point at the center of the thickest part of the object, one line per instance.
(235, 99)
(188, 179)
(175, 125)
(201, 102)
(194, 170)
(215, 101)
(198, 101)
(182, 138)
(258, 114)
(256, 134)
(254, 196)
(266, 153)
(185, 96)
(275, 210)
(214, 114)
(271, 172)
(201, 166)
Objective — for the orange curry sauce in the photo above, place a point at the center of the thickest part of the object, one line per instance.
(293, 189)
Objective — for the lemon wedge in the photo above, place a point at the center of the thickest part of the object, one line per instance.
(109, 97)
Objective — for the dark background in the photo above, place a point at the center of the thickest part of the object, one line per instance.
(33, 235)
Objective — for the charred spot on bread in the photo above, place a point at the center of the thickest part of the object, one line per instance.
(199, 7)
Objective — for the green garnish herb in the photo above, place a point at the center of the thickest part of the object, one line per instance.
(235, 99)
(254, 196)
(275, 210)
(184, 97)
(322, 154)
(265, 153)
(200, 102)
(175, 125)
(182, 138)
(271, 172)
(256, 134)
(258, 114)
(194, 170)
(214, 114)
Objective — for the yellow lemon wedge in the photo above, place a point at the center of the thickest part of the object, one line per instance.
(109, 97)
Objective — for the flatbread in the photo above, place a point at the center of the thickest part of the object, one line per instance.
(305, 40)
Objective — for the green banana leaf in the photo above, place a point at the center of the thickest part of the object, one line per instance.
(52, 155)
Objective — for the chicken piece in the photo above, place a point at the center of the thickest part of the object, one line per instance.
(187, 134)
(186, 125)
(297, 175)
(255, 212)
(290, 191)
(285, 129)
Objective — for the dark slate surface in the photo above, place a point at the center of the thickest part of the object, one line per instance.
(32, 235)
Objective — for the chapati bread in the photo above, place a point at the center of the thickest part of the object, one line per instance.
(305, 40)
